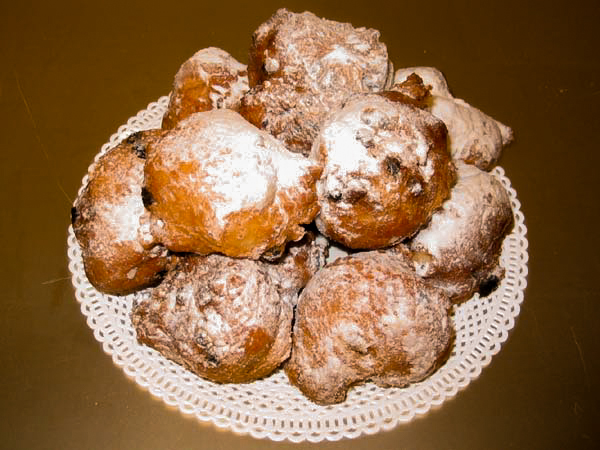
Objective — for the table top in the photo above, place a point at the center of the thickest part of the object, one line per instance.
(73, 72)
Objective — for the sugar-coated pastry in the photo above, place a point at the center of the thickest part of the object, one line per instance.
(210, 79)
(318, 53)
(302, 68)
(386, 168)
(217, 184)
(367, 317)
(474, 137)
(460, 248)
(118, 254)
(225, 319)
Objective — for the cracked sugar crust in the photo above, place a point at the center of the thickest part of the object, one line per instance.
(460, 248)
(367, 317)
(210, 79)
(118, 254)
(217, 184)
(473, 136)
(319, 54)
(225, 319)
(386, 168)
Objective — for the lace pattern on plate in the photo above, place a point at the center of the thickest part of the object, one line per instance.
(272, 408)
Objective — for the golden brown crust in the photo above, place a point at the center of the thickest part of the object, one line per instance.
(224, 319)
(216, 183)
(318, 54)
(118, 255)
(410, 91)
(210, 79)
(386, 169)
(367, 317)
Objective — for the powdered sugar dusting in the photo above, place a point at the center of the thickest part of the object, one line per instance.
(125, 216)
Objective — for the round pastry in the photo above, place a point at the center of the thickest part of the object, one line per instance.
(386, 169)
(225, 319)
(367, 317)
(217, 184)
(460, 248)
(118, 254)
(318, 54)
(473, 136)
(301, 68)
(210, 79)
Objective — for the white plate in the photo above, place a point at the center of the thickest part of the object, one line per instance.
(272, 408)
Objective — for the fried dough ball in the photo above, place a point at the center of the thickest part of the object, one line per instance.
(367, 317)
(460, 248)
(118, 254)
(210, 79)
(217, 184)
(302, 68)
(386, 169)
(225, 319)
(319, 54)
(474, 137)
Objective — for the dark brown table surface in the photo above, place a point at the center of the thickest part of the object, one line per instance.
(72, 72)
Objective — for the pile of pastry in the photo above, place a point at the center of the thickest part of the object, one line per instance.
(227, 212)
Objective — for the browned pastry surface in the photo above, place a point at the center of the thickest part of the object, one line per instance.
(118, 255)
(322, 54)
(460, 248)
(367, 317)
(216, 183)
(411, 91)
(210, 79)
(302, 68)
(225, 319)
(293, 115)
(300, 261)
(386, 168)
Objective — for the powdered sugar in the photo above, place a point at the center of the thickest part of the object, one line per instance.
(448, 224)
(236, 164)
